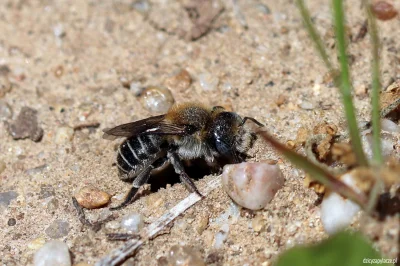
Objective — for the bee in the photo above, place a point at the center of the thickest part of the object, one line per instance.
(187, 131)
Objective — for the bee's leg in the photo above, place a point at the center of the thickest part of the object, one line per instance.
(180, 170)
(140, 180)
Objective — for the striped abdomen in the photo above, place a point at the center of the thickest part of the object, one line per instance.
(136, 153)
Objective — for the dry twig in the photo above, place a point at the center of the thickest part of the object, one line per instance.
(119, 255)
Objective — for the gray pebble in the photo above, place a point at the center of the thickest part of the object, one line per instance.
(26, 125)
(46, 191)
(7, 197)
(57, 229)
(11, 222)
(36, 170)
(141, 6)
(263, 8)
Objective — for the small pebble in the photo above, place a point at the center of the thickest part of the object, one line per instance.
(183, 256)
(11, 222)
(52, 205)
(112, 225)
(133, 222)
(208, 82)
(5, 111)
(37, 243)
(337, 212)
(179, 82)
(258, 223)
(307, 106)
(26, 125)
(59, 31)
(37, 170)
(201, 223)
(53, 253)
(263, 8)
(252, 185)
(58, 229)
(5, 85)
(7, 197)
(2, 166)
(90, 197)
(136, 88)
(141, 6)
(46, 191)
(390, 126)
(361, 90)
(157, 100)
(383, 10)
(64, 135)
(221, 236)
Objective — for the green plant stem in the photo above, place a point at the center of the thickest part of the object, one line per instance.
(376, 87)
(314, 34)
(345, 84)
(317, 172)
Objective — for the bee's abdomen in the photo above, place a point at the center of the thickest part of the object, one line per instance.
(135, 153)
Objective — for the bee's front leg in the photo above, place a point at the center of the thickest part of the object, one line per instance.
(180, 170)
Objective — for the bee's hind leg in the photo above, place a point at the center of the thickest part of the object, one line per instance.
(180, 170)
(139, 181)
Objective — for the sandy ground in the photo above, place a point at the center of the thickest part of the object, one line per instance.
(66, 59)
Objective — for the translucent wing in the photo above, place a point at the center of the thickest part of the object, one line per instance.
(155, 125)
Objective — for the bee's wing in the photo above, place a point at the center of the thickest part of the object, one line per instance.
(155, 125)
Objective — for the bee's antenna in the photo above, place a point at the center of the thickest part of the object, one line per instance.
(251, 119)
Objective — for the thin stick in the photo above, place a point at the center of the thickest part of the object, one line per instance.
(119, 255)
(318, 173)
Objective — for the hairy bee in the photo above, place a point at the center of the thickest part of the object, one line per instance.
(188, 131)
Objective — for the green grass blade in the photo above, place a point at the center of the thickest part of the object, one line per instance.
(314, 34)
(345, 84)
(318, 173)
(376, 87)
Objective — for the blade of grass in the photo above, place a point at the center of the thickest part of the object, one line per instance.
(345, 84)
(314, 34)
(317, 172)
(376, 87)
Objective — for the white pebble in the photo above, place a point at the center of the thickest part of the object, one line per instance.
(387, 143)
(59, 31)
(64, 135)
(208, 82)
(390, 126)
(307, 106)
(252, 185)
(136, 88)
(157, 99)
(184, 255)
(133, 222)
(53, 253)
(221, 236)
(337, 212)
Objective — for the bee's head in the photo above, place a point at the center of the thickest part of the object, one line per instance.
(229, 137)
